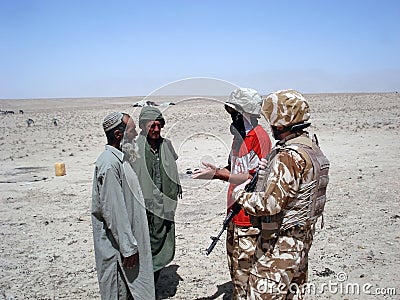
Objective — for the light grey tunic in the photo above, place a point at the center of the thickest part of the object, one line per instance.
(120, 227)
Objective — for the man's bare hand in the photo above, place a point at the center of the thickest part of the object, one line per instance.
(130, 262)
(262, 164)
(207, 173)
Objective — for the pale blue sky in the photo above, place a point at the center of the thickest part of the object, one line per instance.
(124, 48)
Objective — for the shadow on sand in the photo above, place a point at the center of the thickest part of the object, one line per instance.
(224, 290)
(168, 282)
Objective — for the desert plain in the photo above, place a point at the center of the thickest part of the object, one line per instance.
(46, 248)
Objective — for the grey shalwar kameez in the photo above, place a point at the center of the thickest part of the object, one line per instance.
(120, 228)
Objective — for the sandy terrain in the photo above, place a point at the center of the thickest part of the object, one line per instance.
(46, 249)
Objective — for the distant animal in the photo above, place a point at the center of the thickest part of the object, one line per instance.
(144, 103)
(6, 112)
(55, 121)
(30, 122)
(21, 111)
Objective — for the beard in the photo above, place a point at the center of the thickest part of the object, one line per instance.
(130, 149)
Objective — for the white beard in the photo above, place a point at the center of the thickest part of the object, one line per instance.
(130, 149)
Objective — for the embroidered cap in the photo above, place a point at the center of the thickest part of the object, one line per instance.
(112, 120)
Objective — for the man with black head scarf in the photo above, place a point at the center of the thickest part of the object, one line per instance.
(250, 143)
(158, 176)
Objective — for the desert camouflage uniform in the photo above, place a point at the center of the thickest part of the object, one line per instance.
(244, 158)
(286, 237)
(241, 234)
(240, 246)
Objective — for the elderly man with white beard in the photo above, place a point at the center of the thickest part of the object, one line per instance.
(120, 230)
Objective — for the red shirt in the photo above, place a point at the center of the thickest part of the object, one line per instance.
(255, 145)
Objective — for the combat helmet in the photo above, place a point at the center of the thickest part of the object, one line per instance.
(245, 100)
(286, 108)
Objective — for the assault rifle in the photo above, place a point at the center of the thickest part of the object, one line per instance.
(250, 187)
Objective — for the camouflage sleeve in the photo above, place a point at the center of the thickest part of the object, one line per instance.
(282, 183)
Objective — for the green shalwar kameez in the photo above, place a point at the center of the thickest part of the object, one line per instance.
(158, 177)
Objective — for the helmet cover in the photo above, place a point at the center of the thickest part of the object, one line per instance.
(285, 108)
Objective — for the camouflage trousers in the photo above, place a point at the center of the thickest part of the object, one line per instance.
(240, 246)
(281, 269)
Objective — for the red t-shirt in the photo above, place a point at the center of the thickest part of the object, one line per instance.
(255, 145)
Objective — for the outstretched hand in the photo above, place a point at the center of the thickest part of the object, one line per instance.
(207, 173)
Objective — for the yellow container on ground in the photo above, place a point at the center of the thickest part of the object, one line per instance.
(60, 168)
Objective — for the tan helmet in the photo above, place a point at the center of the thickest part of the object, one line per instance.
(285, 108)
(245, 100)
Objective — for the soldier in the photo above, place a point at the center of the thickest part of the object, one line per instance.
(250, 143)
(289, 198)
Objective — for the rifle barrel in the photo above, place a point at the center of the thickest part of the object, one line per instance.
(232, 212)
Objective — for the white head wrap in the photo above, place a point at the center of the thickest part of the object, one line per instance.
(245, 100)
(112, 120)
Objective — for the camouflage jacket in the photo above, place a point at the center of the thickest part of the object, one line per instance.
(286, 185)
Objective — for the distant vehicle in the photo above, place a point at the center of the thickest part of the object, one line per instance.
(151, 103)
(144, 103)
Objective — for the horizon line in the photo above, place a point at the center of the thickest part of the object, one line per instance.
(178, 95)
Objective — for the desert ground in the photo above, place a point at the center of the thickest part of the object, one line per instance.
(46, 249)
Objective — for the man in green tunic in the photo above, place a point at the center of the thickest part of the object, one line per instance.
(158, 177)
